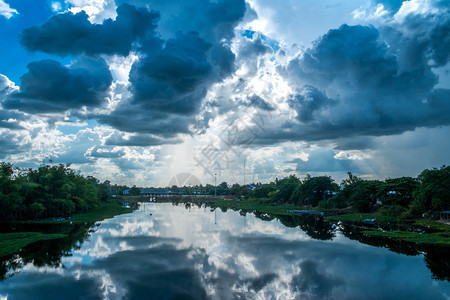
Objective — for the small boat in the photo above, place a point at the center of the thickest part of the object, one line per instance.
(370, 221)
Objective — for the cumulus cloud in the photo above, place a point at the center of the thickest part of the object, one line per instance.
(105, 152)
(251, 47)
(51, 87)
(6, 10)
(98, 10)
(170, 80)
(169, 77)
(11, 119)
(123, 139)
(13, 142)
(6, 86)
(354, 82)
(73, 34)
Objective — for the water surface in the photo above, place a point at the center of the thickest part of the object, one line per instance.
(162, 251)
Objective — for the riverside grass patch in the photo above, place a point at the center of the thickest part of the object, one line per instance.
(11, 243)
(421, 238)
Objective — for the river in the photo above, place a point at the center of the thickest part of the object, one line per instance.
(163, 251)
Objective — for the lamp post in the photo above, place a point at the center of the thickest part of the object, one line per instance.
(215, 184)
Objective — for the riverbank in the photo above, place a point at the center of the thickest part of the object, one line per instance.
(105, 211)
(437, 238)
(11, 243)
(259, 205)
(422, 231)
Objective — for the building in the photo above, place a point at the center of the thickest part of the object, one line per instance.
(158, 192)
(445, 215)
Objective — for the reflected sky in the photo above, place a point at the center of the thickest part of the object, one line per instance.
(163, 251)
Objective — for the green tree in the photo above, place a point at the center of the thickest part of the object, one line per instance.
(263, 190)
(398, 191)
(313, 190)
(434, 190)
(135, 191)
(357, 193)
(37, 209)
(285, 188)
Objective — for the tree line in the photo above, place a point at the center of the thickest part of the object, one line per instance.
(47, 192)
(406, 197)
(58, 191)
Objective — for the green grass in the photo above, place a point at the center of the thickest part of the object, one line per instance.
(11, 243)
(433, 225)
(106, 211)
(359, 217)
(423, 238)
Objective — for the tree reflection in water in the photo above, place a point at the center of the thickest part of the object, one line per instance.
(46, 253)
(435, 256)
(49, 253)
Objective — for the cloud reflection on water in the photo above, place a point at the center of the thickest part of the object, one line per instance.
(197, 254)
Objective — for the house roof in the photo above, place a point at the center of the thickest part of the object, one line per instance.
(155, 191)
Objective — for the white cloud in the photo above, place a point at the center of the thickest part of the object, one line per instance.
(415, 7)
(352, 155)
(97, 10)
(6, 10)
(370, 13)
(56, 6)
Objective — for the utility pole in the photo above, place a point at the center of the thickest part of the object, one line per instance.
(253, 176)
(215, 184)
(244, 170)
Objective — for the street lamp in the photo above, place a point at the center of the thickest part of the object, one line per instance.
(215, 184)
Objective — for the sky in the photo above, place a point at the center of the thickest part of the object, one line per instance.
(138, 92)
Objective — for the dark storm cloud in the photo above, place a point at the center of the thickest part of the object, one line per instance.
(102, 152)
(50, 87)
(214, 20)
(138, 120)
(10, 119)
(69, 34)
(308, 103)
(354, 143)
(260, 282)
(421, 39)
(170, 80)
(12, 143)
(253, 45)
(118, 139)
(260, 103)
(176, 66)
(176, 77)
(355, 81)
